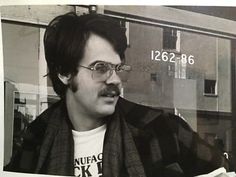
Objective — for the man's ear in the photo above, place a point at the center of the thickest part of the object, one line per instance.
(65, 79)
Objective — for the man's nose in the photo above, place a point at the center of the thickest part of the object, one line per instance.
(113, 79)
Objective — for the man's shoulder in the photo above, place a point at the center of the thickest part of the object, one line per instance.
(51, 110)
(33, 138)
(37, 128)
(142, 115)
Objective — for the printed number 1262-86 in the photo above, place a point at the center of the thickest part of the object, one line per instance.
(170, 57)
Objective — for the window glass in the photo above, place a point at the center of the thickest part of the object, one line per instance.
(186, 73)
(26, 92)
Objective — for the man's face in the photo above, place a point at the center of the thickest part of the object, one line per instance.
(89, 96)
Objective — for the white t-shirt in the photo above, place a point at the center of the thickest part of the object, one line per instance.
(88, 147)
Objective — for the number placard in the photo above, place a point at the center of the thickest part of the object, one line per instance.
(157, 55)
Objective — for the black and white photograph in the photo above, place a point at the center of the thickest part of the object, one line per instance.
(96, 90)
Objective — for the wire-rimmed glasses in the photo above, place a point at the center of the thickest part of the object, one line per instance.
(101, 71)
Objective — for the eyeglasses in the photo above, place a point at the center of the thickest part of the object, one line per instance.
(101, 71)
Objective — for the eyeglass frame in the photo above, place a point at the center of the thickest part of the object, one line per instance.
(111, 68)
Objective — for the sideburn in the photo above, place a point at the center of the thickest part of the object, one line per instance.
(73, 85)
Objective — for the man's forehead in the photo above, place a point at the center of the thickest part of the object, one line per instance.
(98, 49)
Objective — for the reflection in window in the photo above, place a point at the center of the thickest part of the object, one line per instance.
(199, 90)
(210, 87)
(169, 38)
(153, 77)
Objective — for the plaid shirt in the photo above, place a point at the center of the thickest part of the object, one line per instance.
(139, 142)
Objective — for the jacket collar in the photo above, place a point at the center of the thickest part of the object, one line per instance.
(136, 114)
(59, 126)
(57, 151)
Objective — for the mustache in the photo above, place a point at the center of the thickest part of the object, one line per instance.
(110, 90)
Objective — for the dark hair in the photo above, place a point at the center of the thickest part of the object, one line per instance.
(65, 39)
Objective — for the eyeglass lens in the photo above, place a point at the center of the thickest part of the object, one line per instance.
(104, 70)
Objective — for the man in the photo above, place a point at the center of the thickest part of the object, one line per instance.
(94, 132)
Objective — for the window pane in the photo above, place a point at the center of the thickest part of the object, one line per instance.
(25, 88)
(193, 82)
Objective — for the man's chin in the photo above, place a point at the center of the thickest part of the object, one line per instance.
(107, 105)
(107, 110)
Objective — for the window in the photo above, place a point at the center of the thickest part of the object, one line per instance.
(153, 77)
(194, 78)
(169, 38)
(210, 87)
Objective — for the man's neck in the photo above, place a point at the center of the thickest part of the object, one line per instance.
(84, 124)
(80, 120)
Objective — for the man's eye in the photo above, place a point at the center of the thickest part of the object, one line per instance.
(101, 68)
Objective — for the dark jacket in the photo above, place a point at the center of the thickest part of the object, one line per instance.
(139, 141)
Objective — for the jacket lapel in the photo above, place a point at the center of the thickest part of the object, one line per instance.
(120, 156)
